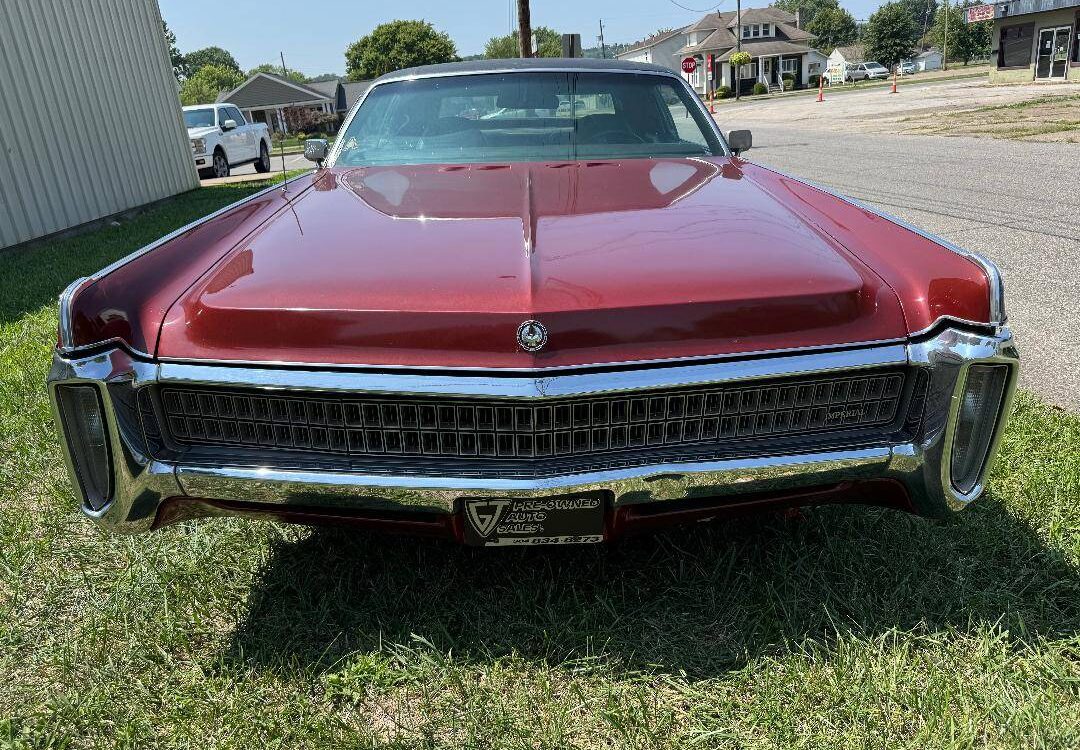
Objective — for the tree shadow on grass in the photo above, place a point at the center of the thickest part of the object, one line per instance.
(700, 599)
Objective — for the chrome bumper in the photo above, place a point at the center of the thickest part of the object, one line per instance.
(141, 483)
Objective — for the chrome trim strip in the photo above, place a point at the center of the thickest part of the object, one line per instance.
(993, 273)
(331, 159)
(558, 368)
(639, 484)
(66, 335)
(534, 386)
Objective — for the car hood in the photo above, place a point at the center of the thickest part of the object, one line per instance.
(438, 266)
(202, 132)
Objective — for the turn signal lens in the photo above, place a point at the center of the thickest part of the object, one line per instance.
(975, 424)
(84, 426)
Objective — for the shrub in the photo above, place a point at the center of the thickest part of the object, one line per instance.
(760, 88)
(814, 80)
(301, 137)
(723, 92)
(277, 136)
(789, 84)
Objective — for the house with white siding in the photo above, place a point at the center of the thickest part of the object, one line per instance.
(658, 49)
(774, 39)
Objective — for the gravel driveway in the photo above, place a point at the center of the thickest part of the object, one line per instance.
(1017, 202)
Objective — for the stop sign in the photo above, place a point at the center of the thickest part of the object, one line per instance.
(689, 65)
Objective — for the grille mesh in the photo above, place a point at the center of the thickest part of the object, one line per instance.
(519, 428)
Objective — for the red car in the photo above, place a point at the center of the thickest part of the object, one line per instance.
(581, 315)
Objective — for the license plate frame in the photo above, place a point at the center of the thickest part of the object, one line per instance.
(520, 522)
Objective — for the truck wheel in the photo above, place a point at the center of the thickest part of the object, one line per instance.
(221, 164)
(263, 163)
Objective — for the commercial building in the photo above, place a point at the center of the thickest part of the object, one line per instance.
(1035, 40)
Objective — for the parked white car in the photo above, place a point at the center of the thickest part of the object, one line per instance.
(221, 138)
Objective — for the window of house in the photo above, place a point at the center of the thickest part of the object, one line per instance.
(746, 32)
(755, 30)
(1014, 50)
(1076, 40)
(765, 28)
(789, 65)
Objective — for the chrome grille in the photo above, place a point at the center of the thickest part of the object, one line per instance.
(521, 428)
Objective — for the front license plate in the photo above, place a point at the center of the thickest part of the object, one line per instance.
(504, 522)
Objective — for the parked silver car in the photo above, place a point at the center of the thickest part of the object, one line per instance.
(867, 71)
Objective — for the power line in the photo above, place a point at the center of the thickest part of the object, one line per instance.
(695, 10)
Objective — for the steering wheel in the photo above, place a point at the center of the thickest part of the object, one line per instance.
(604, 136)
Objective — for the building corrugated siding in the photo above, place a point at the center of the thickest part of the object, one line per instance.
(90, 122)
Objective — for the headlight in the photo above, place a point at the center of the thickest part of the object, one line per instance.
(980, 408)
(83, 421)
(198, 145)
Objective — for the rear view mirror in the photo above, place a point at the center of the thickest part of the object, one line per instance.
(316, 149)
(228, 125)
(739, 141)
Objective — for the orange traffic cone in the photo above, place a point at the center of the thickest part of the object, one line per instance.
(820, 88)
(893, 82)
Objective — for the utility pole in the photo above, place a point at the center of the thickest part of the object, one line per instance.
(945, 43)
(524, 29)
(603, 48)
(284, 70)
(738, 45)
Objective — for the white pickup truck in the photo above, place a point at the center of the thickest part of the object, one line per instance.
(221, 139)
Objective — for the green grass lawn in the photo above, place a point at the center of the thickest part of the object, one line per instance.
(855, 627)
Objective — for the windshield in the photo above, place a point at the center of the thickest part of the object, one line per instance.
(538, 116)
(199, 118)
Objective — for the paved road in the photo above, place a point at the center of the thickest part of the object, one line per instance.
(876, 110)
(1019, 203)
(292, 161)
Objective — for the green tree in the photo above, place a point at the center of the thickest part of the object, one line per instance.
(967, 41)
(396, 45)
(889, 34)
(922, 13)
(548, 44)
(808, 9)
(833, 27)
(203, 86)
(292, 75)
(179, 67)
(323, 77)
(200, 58)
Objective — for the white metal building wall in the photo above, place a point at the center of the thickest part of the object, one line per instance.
(90, 122)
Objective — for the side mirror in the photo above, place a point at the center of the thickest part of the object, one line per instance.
(739, 141)
(228, 125)
(316, 149)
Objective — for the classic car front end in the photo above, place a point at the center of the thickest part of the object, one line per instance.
(552, 325)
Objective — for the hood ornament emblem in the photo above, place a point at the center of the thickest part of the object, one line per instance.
(532, 335)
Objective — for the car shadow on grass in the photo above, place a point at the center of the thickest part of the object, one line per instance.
(701, 600)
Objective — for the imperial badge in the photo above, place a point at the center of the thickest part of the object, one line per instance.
(532, 335)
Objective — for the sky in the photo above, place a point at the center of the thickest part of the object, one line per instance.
(314, 36)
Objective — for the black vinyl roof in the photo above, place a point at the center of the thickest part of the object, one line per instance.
(525, 64)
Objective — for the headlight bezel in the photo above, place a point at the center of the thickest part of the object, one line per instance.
(973, 437)
(84, 423)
